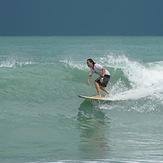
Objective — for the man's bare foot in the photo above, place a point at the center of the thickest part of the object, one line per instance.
(97, 96)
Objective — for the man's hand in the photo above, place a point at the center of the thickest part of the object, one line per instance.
(88, 82)
(101, 80)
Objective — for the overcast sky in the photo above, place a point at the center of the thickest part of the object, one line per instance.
(81, 17)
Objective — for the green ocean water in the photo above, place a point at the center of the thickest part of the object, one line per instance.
(42, 119)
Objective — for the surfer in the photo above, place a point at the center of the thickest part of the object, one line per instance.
(104, 76)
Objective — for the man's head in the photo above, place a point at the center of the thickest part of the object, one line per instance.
(90, 63)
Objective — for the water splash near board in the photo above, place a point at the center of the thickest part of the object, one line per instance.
(96, 98)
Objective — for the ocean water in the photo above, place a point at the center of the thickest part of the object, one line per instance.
(42, 119)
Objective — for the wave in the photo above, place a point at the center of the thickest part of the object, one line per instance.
(13, 63)
(130, 79)
(69, 64)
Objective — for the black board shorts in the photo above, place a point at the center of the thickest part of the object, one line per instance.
(105, 80)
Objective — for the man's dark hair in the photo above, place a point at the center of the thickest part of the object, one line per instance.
(91, 60)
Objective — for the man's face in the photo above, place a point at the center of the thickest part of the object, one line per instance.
(89, 64)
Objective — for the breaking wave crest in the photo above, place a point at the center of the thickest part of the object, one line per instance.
(13, 63)
(130, 79)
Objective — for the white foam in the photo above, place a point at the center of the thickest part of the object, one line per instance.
(74, 64)
(141, 76)
(12, 63)
(135, 94)
(145, 79)
(114, 61)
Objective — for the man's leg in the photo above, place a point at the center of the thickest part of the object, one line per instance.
(104, 89)
(98, 89)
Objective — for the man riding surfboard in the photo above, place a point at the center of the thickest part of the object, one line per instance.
(103, 79)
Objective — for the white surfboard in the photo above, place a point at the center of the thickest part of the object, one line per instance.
(95, 98)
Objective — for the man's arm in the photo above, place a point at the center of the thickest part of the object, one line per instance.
(103, 72)
(88, 80)
(102, 76)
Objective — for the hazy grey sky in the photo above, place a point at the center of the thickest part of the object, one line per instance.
(81, 17)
